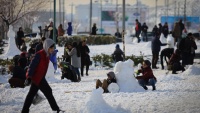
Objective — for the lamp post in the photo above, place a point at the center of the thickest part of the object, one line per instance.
(72, 12)
(156, 11)
(101, 18)
(117, 20)
(90, 16)
(54, 23)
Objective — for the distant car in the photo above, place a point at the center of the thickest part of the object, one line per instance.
(31, 35)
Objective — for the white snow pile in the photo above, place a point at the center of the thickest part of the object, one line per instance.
(125, 79)
(170, 41)
(97, 104)
(3, 79)
(192, 70)
(113, 88)
(170, 77)
(128, 39)
(147, 45)
(163, 39)
(135, 40)
(12, 48)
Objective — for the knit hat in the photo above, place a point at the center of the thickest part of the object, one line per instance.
(111, 74)
(147, 62)
(117, 46)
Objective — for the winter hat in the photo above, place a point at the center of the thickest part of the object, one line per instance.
(111, 74)
(147, 62)
(117, 46)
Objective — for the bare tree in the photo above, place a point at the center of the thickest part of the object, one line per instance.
(14, 10)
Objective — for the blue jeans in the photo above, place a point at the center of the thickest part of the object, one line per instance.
(144, 83)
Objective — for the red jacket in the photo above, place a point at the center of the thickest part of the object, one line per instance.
(147, 73)
(38, 67)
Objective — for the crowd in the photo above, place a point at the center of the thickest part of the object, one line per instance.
(31, 65)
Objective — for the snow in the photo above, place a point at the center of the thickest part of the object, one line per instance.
(12, 48)
(176, 93)
(163, 39)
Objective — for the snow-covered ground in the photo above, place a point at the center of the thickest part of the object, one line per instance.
(178, 93)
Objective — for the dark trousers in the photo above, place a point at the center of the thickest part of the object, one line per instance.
(138, 35)
(177, 67)
(46, 90)
(84, 63)
(185, 58)
(144, 36)
(166, 53)
(155, 58)
(16, 82)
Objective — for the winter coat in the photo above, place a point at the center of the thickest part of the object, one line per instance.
(118, 55)
(69, 29)
(175, 58)
(85, 58)
(39, 64)
(22, 62)
(20, 36)
(165, 31)
(176, 31)
(61, 31)
(94, 30)
(187, 45)
(154, 31)
(138, 28)
(156, 44)
(147, 74)
(75, 60)
(144, 28)
(19, 72)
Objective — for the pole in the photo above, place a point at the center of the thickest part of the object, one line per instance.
(175, 11)
(178, 10)
(123, 32)
(54, 22)
(72, 12)
(156, 12)
(59, 11)
(50, 9)
(63, 13)
(117, 21)
(90, 17)
(101, 18)
(185, 13)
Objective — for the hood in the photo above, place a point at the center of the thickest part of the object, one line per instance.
(111, 74)
(69, 24)
(47, 43)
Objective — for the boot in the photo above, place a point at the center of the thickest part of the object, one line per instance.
(79, 78)
(145, 87)
(154, 88)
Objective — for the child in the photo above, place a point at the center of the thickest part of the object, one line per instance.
(147, 77)
(68, 71)
(111, 79)
(36, 76)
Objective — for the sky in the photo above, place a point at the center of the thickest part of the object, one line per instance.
(150, 3)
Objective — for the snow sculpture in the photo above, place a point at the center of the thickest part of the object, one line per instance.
(170, 41)
(12, 47)
(113, 88)
(163, 39)
(127, 37)
(125, 79)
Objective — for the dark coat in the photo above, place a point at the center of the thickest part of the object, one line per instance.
(175, 58)
(69, 29)
(147, 74)
(85, 58)
(156, 44)
(165, 31)
(18, 72)
(118, 55)
(20, 36)
(155, 31)
(144, 28)
(94, 30)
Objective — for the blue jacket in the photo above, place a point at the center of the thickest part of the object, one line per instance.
(69, 29)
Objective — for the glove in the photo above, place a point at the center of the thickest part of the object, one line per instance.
(27, 82)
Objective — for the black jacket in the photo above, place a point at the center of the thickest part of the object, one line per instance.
(118, 55)
(156, 44)
(18, 72)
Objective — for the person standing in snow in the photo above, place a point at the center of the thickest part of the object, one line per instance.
(137, 30)
(75, 58)
(118, 54)
(147, 77)
(144, 32)
(155, 47)
(94, 29)
(69, 29)
(165, 30)
(85, 58)
(106, 82)
(36, 77)
(20, 36)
